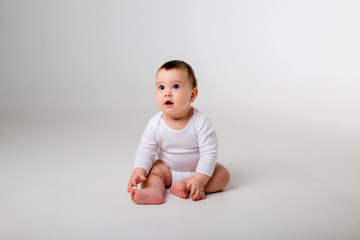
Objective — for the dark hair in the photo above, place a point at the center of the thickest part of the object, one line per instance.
(177, 64)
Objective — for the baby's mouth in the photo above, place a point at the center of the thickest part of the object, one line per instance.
(168, 103)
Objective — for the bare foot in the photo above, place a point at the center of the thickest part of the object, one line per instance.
(179, 189)
(146, 196)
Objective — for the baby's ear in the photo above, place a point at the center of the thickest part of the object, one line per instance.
(194, 94)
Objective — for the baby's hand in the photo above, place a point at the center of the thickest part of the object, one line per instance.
(138, 176)
(196, 188)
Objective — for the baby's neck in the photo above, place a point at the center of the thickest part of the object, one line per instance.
(180, 122)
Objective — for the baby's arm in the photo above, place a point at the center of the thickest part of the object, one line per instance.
(207, 141)
(138, 175)
(196, 185)
(145, 155)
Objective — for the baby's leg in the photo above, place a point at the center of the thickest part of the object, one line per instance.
(179, 189)
(153, 189)
(219, 179)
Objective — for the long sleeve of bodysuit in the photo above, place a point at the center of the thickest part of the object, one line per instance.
(146, 152)
(208, 147)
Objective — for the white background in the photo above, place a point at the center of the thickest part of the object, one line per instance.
(279, 79)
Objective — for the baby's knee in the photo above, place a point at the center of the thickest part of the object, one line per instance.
(226, 176)
(223, 175)
(158, 169)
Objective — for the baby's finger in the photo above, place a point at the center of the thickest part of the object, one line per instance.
(131, 182)
(134, 182)
(193, 191)
(188, 187)
(140, 178)
(130, 185)
(196, 196)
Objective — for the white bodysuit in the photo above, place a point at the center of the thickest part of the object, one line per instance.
(193, 148)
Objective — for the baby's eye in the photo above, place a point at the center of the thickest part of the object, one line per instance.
(176, 86)
(161, 87)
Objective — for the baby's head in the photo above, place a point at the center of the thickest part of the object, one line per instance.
(176, 88)
(181, 65)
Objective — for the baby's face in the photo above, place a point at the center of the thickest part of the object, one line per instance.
(174, 92)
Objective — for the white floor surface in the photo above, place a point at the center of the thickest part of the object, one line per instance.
(65, 178)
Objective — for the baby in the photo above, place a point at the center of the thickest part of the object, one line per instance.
(182, 138)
